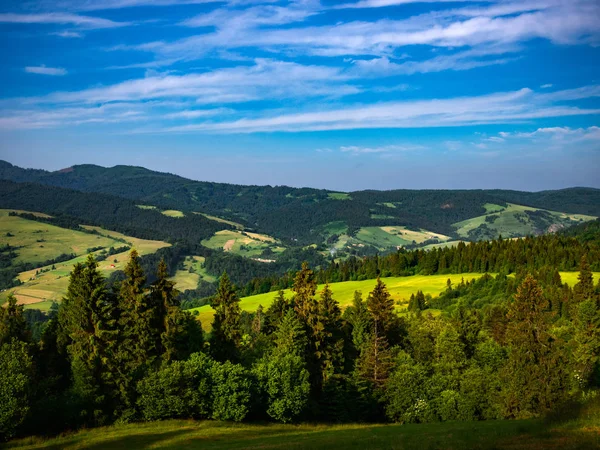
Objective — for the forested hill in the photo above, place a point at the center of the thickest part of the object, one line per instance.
(305, 215)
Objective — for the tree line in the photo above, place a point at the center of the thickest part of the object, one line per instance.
(130, 353)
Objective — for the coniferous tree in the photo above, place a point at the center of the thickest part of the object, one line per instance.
(359, 318)
(88, 329)
(226, 333)
(12, 322)
(276, 312)
(328, 337)
(584, 289)
(535, 378)
(305, 287)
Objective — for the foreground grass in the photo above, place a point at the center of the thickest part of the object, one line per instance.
(581, 433)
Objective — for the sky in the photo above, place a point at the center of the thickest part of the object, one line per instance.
(343, 95)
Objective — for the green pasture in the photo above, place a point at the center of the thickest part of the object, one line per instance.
(243, 243)
(38, 242)
(395, 236)
(512, 222)
(186, 279)
(339, 196)
(579, 429)
(172, 213)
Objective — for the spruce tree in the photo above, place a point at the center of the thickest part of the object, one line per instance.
(305, 287)
(226, 333)
(535, 378)
(12, 322)
(87, 328)
(359, 318)
(584, 289)
(328, 339)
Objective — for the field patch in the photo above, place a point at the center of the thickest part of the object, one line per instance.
(173, 213)
(395, 236)
(515, 221)
(339, 196)
(43, 285)
(400, 289)
(37, 242)
(243, 243)
(239, 226)
(192, 272)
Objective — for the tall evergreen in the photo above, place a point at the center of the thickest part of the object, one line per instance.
(88, 329)
(328, 338)
(535, 378)
(305, 287)
(12, 322)
(226, 332)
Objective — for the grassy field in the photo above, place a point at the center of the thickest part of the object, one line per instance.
(39, 290)
(339, 196)
(250, 245)
(580, 430)
(239, 226)
(39, 242)
(185, 279)
(400, 289)
(172, 213)
(512, 221)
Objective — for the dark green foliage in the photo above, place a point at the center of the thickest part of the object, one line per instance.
(230, 391)
(12, 322)
(534, 376)
(88, 331)
(226, 333)
(180, 389)
(16, 371)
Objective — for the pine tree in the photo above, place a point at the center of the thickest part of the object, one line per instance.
(226, 333)
(87, 328)
(328, 339)
(584, 289)
(12, 322)
(381, 307)
(358, 316)
(276, 312)
(305, 287)
(535, 378)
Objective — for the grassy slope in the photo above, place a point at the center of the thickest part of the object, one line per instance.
(580, 431)
(56, 240)
(232, 241)
(185, 279)
(507, 224)
(38, 291)
(173, 213)
(399, 287)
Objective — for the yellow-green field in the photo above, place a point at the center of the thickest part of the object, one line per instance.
(239, 226)
(186, 279)
(39, 290)
(400, 289)
(579, 431)
(508, 224)
(172, 213)
(39, 242)
(243, 243)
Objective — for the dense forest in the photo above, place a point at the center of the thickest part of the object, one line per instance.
(298, 216)
(562, 251)
(503, 347)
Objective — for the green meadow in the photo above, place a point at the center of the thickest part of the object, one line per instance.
(511, 221)
(400, 289)
(192, 273)
(243, 243)
(38, 242)
(44, 285)
(578, 429)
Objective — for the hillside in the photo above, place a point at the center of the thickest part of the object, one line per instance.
(303, 216)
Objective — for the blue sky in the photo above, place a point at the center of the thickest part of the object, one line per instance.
(344, 95)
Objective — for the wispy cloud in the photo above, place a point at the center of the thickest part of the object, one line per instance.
(68, 34)
(384, 149)
(60, 18)
(43, 70)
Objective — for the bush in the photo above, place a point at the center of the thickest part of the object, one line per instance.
(230, 391)
(15, 375)
(180, 389)
(284, 381)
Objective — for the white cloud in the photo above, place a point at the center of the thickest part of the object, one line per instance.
(546, 86)
(68, 34)
(61, 18)
(43, 70)
(266, 79)
(359, 150)
(507, 107)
